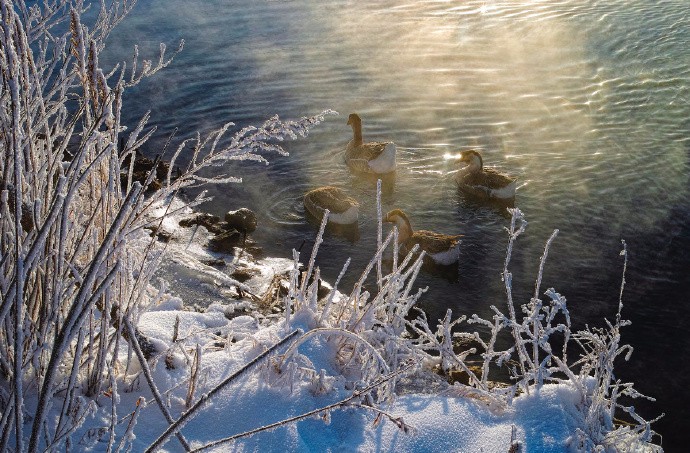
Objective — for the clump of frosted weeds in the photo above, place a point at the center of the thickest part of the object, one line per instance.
(74, 265)
(369, 335)
(533, 360)
(364, 332)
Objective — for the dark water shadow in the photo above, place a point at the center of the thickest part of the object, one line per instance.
(497, 205)
(448, 272)
(349, 231)
(371, 179)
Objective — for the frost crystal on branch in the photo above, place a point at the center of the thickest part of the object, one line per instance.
(74, 261)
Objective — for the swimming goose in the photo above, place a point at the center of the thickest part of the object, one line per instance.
(482, 182)
(343, 209)
(370, 157)
(441, 248)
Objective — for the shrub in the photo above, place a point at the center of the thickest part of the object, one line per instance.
(74, 261)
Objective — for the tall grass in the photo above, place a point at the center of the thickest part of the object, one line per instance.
(74, 261)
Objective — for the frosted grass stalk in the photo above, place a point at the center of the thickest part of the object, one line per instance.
(131, 335)
(326, 311)
(516, 215)
(537, 330)
(379, 232)
(315, 250)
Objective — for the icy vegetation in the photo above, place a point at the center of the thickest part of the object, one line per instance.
(75, 265)
(94, 357)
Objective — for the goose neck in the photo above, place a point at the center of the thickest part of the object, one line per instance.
(357, 131)
(404, 230)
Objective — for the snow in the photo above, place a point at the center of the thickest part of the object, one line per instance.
(544, 420)
(425, 414)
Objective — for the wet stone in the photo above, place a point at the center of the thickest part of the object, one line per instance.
(161, 235)
(226, 241)
(243, 220)
(242, 274)
(214, 262)
(208, 221)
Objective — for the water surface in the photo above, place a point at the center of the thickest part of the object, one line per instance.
(585, 101)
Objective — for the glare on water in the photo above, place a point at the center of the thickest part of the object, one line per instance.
(586, 102)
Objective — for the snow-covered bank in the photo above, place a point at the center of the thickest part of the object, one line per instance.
(445, 421)
(343, 349)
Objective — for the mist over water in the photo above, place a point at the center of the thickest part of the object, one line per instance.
(585, 101)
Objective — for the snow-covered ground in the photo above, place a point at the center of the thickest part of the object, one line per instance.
(446, 421)
(193, 352)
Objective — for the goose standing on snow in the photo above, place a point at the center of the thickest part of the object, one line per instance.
(370, 157)
(443, 249)
(483, 183)
(344, 210)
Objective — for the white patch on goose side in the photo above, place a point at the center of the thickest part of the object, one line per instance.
(505, 192)
(345, 218)
(385, 163)
(450, 256)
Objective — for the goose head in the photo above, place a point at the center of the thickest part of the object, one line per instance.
(473, 159)
(399, 218)
(354, 120)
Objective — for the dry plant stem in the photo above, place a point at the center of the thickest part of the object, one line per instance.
(6, 423)
(624, 254)
(131, 336)
(536, 303)
(71, 385)
(342, 403)
(80, 307)
(76, 315)
(315, 250)
(367, 270)
(132, 423)
(194, 377)
(326, 311)
(379, 232)
(16, 145)
(193, 411)
(516, 215)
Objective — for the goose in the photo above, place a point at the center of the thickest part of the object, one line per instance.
(369, 157)
(344, 210)
(483, 183)
(443, 249)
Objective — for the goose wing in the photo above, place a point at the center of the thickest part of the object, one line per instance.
(331, 198)
(365, 151)
(432, 242)
(495, 179)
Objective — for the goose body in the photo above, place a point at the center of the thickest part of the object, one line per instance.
(484, 183)
(443, 249)
(368, 157)
(344, 210)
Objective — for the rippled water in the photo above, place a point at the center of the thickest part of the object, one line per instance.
(585, 101)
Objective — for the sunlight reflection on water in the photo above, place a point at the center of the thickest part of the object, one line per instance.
(586, 102)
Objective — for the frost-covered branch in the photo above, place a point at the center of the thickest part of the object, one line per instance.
(72, 250)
